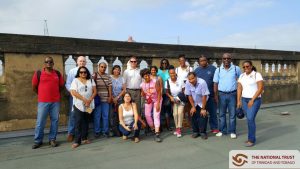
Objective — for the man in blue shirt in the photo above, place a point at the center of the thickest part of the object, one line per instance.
(225, 85)
(198, 93)
(206, 72)
(81, 61)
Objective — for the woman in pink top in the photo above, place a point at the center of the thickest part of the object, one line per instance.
(151, 91)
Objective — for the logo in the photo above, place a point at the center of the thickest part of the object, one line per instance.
(239, 160)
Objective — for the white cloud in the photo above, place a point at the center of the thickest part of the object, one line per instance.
(280, 37)
(213, 11)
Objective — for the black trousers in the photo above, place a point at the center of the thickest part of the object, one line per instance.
(81, 125)
(199, 123)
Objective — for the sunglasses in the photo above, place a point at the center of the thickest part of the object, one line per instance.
(226, 58)
(49, 62)
(85, 88)
(133, 61)
(82, 72)
(245, 67)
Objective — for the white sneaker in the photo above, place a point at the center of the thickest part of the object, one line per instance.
(233, 136)
(175, 133)
(179, 135)
(219, 134)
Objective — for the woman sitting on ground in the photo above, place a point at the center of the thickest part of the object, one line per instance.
(128, 117)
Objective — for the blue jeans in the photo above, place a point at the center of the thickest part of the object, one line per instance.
(126, 133)
(251, 114)
(71, 121)
(227, 102)
(101, 118)
(199, 123)
(45, 108)
(212, 110)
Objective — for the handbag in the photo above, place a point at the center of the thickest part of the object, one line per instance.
(149, 100)
(182, 97)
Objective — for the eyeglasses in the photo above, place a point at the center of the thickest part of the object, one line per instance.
(133, 61)
(49, 62)
(85, 88)
(245, 67)
(82, 72)
(226, 58)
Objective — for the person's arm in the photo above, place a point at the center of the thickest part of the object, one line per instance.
(193, 107)
(239, 95)
(158, 90)
(61, 82)
(70, 78)
(203, 111)
(136, 116)
(260, 88)
(216, 83)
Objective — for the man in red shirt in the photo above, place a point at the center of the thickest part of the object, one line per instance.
(47, 84)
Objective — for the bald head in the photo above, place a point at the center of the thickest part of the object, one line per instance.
(81, 61)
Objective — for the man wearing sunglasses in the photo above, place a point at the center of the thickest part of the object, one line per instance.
(225, 86)
(133, 81)
(47, 84)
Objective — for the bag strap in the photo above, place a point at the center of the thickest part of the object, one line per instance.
(103, 80)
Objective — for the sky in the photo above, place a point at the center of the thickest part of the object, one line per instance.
(260, 24)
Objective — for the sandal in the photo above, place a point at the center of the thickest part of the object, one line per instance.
(249, 144)
(75, 145)
(124, 137)
(136, 140)
(86, 142)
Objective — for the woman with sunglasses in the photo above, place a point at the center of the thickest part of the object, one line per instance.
(83, 90)
(250, 88)
(151, 91)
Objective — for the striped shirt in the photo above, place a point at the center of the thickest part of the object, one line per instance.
(102, 85)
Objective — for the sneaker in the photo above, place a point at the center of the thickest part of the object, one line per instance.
(176, 132)
(219, 134)
(157, 138)
(215, 131)
(179, 133)
(124, 137)
(36, 145)
(195, 135)
(233, 136)
(106, 135)
(204, 136)
(53, 143)
(70, 137)
(97, 135)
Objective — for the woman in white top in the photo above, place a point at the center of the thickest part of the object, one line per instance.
(250, 87)
(174, 86)
(128, 117)
(83, 90)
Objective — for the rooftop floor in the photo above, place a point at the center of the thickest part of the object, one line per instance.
(274, 131)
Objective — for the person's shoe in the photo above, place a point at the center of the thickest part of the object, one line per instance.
(106, 135)
(176, 132)
(124, 137)
(204, 136)
(70, 138)
(36, 145)
(215, 131)
(249, 144)
(75, 145)
(195, 135)
(97, 135)
(86, 142)
(136, 140)
(233, 136)
(157, 138)
(53, 143)
(219, 134)
(179, 133)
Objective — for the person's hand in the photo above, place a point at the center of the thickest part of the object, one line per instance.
(157, 107)
(203, 112)
(127, 128)
(109, 99)
(135, 126)
(192, 111)
(250, 103)
(172, 99)
(239, 104)
(115, 100)
(216, 99)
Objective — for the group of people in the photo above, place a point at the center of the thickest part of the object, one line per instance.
(115, 101)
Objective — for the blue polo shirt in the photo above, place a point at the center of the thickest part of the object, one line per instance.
(207, 74)
(227, 79)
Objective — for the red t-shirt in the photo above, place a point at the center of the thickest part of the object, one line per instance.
(48, 89)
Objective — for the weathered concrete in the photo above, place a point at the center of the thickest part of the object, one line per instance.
(274, 132)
